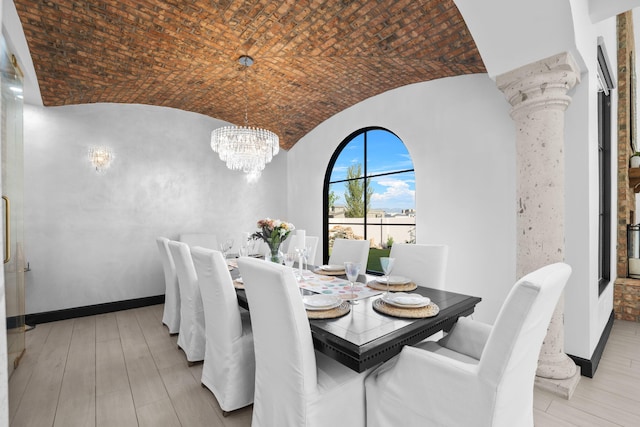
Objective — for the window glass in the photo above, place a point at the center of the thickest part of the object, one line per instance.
(393, 194)
(370, 193)
(352, 155)
(386, 153)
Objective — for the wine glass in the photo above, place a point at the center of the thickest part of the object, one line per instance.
(352, 269)
(244, 249)
(251, 246)
(289, 259)
(301, 254)
(387, 266)
(226, 246)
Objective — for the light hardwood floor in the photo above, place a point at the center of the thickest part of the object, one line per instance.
(123, 369)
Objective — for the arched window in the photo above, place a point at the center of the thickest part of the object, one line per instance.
(369, 193)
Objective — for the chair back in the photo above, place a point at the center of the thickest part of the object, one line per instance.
(222, 313)
(426, 265)
(510, 356)
(285, 358)
(171, 314)
(205, 240)
(345, 250)
(310, 242)
(185, 271)
(191, 336)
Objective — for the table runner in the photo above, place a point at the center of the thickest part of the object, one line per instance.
(330, 285)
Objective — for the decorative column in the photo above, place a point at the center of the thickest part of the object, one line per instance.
(538, 95)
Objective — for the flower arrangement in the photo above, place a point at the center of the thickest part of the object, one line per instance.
(273, 232)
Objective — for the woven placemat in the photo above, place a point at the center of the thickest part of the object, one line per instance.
(329, 272)
(374, 284)
(339, 311)
(409, 313)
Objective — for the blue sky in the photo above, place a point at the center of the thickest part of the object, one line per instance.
(386, 153)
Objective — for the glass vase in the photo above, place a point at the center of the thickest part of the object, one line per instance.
(275, 254)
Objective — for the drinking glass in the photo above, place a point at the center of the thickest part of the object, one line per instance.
(226, 247)
(387, 266)
(244, 250)
(289, 259)
(251, 247)
(352, 269)
(301, 254)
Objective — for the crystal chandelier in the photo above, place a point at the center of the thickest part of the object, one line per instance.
(245, 148)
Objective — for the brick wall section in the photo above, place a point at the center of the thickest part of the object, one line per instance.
(626, 197)
(313, 58)
(626, 299)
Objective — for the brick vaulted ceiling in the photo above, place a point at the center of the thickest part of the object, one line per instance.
(313, 58)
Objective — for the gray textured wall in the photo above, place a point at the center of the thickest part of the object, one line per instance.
(90, 238)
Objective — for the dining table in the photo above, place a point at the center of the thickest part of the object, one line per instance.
(364, 337)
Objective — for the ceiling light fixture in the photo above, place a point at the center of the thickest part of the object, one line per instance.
(245, 148)
(100, 158)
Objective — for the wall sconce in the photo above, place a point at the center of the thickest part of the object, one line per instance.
(100, 158)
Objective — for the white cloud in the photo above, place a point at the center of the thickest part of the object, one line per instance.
(396, 192)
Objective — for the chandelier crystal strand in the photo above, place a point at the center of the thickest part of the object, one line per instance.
(244, 148)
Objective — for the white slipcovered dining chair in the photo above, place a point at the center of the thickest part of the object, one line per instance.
(205, 240)
(478, 375)
(350, 250)
(191, 338)
(229, 365)
(426, 265)
(309, 242)
(295, 385)
(171, 313)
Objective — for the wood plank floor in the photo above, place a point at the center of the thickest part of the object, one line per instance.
(124, 369)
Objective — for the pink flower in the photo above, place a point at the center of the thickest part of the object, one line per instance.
(273, 232)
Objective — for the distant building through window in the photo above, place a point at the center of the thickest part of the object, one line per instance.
(369, 193)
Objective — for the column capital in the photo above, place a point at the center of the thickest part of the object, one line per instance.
(542, 84)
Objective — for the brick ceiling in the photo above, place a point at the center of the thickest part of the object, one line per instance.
(313, 58)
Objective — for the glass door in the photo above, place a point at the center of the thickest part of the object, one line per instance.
(11, 104)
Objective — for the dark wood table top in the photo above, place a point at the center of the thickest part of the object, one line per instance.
(364, 338)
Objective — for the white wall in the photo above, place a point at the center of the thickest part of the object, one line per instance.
(553, 27)
(90, 238)
(587, 312)
(513, 33)
(461, 139)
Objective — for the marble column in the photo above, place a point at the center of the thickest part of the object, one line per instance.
(538, 95)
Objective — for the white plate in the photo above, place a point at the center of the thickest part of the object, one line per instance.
(393, 280)
(332, 267)
(321, 302)
(403, 299)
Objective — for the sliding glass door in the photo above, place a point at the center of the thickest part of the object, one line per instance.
(12, 204)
